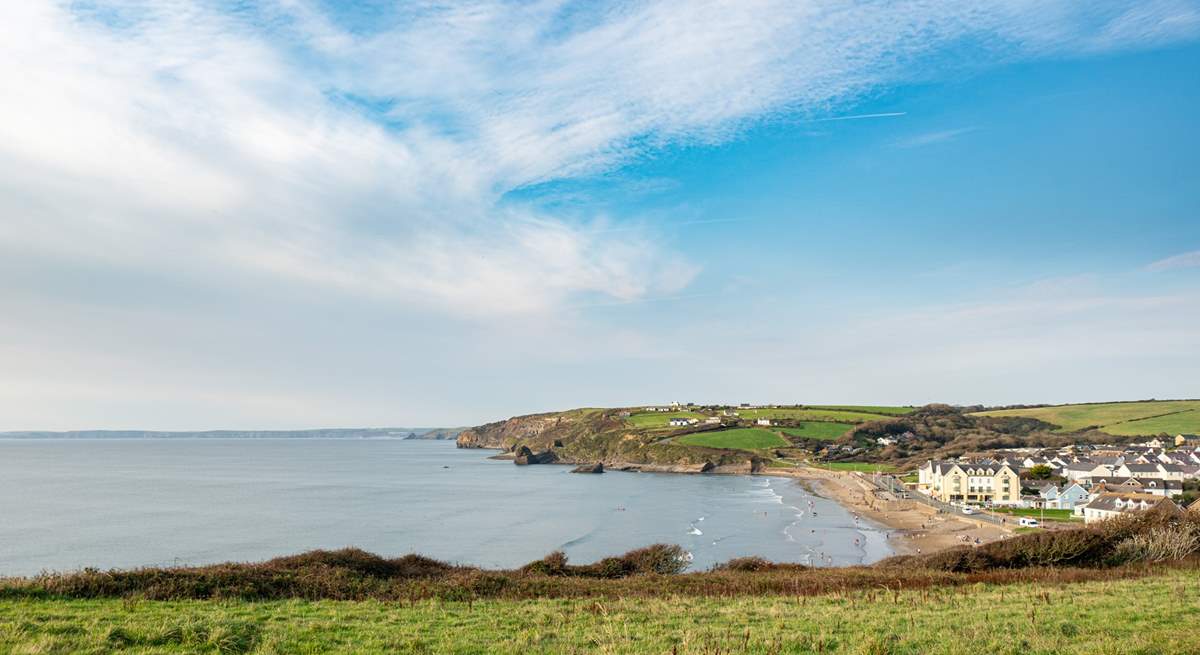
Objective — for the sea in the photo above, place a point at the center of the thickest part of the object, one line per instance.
(66, 504)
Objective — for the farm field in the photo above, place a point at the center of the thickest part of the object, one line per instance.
(817, 430)
(1121, 419)
(868, 409)
(740, 438)
(660, 419)
(1120, 616)
(809, 414)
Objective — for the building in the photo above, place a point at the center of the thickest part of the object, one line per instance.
(1153, 486)
(1051, 497)
(982, 481)
(1182, 440)
(712, 419)
(1108, 505)
(763, 421)
(677, 422)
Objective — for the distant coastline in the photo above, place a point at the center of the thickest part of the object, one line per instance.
(320, 433)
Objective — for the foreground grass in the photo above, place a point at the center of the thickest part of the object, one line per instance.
(1148, 615)
(739, 438)
(1126, 419)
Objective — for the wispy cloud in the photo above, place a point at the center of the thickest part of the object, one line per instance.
(1185, 260)
(142, 128)
(856, 117)
(930, 138)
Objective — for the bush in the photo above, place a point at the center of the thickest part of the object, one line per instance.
(664, 559)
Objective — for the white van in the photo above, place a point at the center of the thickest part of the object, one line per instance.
(1028, 522)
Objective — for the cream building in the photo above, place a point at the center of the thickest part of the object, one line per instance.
(974, 482)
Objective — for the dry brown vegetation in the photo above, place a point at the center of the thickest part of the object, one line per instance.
(1131, 546)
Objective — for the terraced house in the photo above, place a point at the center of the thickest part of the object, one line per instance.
(970, 481)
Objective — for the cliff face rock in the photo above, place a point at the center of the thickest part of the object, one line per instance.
(597, 436)
(504, 435)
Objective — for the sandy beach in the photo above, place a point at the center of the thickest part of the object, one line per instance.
(918, 527)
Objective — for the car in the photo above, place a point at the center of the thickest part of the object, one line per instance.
(968, 510)
(1028, 522)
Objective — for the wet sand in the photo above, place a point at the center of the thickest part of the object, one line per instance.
(917, 528)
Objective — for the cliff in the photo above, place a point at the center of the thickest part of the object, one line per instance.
(599, 436)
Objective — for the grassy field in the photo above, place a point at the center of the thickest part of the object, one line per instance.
(1049, 514)
(1148, 615)
(660, 419)
(868, 409)
(865, 467)
(1123, 419)
(809, 414)
(741, 438)
(817, 430)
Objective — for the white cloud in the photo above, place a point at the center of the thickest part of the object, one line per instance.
(1184, 260)
(255, 205)
(166, 132)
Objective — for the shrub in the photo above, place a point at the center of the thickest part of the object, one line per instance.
(664, 559)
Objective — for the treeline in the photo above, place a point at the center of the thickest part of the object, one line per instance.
(943, 432)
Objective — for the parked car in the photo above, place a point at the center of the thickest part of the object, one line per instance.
(1028, 522)
(968, 510)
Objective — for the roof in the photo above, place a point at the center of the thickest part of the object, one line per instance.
(1130, 502)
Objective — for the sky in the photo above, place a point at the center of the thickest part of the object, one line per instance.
(310, 213)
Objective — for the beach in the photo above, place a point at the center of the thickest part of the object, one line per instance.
(917, 528)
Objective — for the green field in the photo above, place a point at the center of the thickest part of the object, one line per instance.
(1147, 615)
(808, 414)
(817, 430)
(1122, 419)
(868, 409)
(660, 419)
(865, 467)
(739, 438)
(1049, 514)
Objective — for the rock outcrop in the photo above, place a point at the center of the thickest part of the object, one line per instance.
(589, 468)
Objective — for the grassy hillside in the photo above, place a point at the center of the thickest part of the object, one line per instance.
(817, 430)
(869, 409)
(1148, 615)
(808, 414)
(660, 419)
(743, 438)
(1122, 419)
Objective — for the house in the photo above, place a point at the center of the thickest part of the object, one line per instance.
(677, 422)
(763, 421)
(1051, 497)
(1182, 440)
(970, 481)
(1108, 505)
(1135, 470)
(1154, 486)
(1085, 469)
(712, 419)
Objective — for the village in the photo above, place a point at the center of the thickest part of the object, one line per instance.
(1079, 482)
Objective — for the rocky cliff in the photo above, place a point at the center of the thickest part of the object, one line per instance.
(596, 436)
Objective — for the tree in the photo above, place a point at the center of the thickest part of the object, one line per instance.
(1041, 472)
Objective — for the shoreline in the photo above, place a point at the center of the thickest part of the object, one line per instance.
(916, 528)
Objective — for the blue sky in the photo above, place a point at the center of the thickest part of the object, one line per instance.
(294, 214)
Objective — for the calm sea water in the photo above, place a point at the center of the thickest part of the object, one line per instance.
(66, 504)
